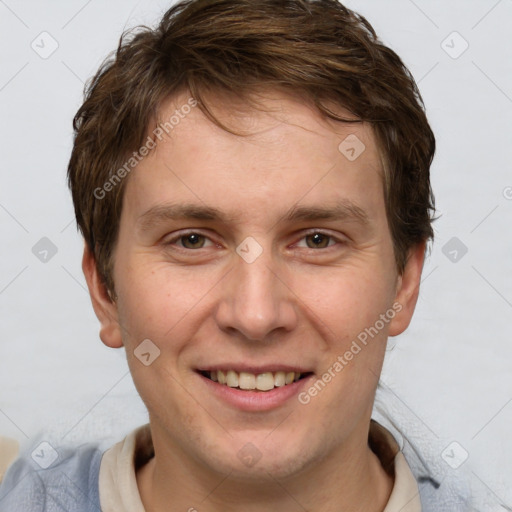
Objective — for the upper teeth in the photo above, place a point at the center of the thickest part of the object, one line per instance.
(262, 381)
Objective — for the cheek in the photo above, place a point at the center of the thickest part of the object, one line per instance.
(156, 298)
(346, 300)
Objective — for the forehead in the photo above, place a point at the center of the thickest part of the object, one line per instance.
(287, 153)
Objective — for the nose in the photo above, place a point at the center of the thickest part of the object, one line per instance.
(256, 302)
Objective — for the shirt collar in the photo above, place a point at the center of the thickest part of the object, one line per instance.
(118, 483)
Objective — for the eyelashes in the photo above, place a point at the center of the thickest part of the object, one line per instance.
(315, 240)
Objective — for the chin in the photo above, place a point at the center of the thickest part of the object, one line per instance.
(280, 457)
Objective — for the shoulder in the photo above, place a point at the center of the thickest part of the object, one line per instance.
(49, 479)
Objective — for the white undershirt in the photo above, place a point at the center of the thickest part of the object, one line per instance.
(119, 491)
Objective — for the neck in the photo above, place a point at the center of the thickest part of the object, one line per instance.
(172, 482)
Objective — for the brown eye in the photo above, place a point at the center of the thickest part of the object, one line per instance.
(192, 241)
(317, 241)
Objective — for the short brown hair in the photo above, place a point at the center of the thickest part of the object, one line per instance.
(318, 49)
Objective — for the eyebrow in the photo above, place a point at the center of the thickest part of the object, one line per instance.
(343, 210)
(166, 212)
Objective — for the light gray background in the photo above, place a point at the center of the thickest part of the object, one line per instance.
(451, 369)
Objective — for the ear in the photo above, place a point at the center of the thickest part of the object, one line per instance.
(104, 307)
(408, 287)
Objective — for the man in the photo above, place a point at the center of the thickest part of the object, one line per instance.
(252, 183)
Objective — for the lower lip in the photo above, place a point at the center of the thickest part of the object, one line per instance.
(255, 400)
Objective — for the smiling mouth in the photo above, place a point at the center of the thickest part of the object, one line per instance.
(254, 382)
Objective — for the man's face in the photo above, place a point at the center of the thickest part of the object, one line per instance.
(261, 254)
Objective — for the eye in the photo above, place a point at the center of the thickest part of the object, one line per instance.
(191, 241)
(317, 240)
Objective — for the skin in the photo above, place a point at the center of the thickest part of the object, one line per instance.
(294, 304)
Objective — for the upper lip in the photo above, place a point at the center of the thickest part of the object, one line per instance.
(244, 367)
